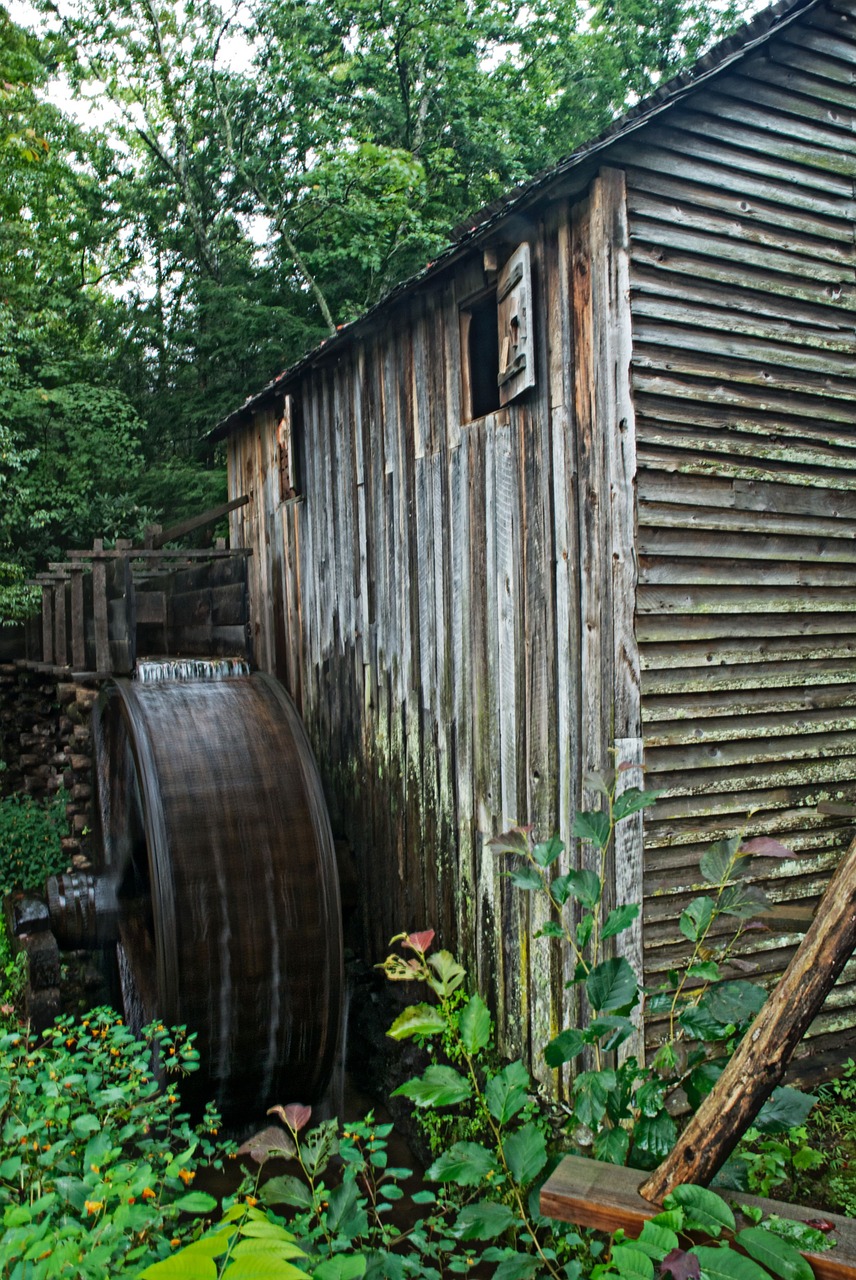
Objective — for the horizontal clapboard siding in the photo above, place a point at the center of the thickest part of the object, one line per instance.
(743, 279)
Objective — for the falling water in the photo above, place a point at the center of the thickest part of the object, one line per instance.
(152, 669)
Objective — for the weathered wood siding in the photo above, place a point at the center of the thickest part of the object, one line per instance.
(423, 601)
(743, 277)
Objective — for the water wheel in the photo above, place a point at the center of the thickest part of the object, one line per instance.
(217, 845)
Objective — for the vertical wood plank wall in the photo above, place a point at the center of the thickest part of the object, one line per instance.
(471, 614)
(422, 601)
(744, 328)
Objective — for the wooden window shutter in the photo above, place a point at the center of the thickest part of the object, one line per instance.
(286, 452)
(514, 318)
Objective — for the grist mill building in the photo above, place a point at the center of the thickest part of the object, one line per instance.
(588, 484)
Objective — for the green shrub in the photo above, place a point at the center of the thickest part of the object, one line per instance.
(30, 842)
(96, 1160)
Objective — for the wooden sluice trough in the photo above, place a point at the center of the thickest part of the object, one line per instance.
(607, 1197)
(102, 607)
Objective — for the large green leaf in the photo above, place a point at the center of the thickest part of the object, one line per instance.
(591, 1091)
(483, 1221)
(507, 1092)
(612, 985)
(611, 1145)
(287, 1189)
(612, 1029)
(654, 1136)
(592, 826)
(701, 1025)
(726, 1264)
(342, 1267)
(545, 854)
(564, 1048)
(775, 1254)
(518, 1266)
(417, 1020)
(196, 1202)
(466, 1164)
(526, 1153)
(695, 921)
(737, 1001)
(784, 1109)
(526, 878)
(182, 1266)
(704, 1210)
(701, 1080)
(619, 920)
(743, 901)
(656, 1240)
(475, 1025)
(632, 800)
(439, 1086)
(717, 864)
(631, 1263)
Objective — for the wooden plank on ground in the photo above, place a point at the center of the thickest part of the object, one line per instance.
(606, 1197)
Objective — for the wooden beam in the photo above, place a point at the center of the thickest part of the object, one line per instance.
(196, 522)
(606, 1197)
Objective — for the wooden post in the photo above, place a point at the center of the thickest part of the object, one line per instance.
(765, 1050)
(47, 622)
(99, 607)
(60, 630)
(78, 636)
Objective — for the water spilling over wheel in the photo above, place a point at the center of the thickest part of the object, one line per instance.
(216, 836)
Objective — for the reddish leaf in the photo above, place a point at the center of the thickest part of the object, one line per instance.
(820, 1224)
(295, 1115)
(270, 1142)
(766, 847)
(419, 941)
(681, 1265)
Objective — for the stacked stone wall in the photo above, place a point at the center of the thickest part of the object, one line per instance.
(46, 747)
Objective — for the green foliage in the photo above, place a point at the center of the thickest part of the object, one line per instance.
(96, 1160)
(703, 1213)
(30, 841)
(621, 1110)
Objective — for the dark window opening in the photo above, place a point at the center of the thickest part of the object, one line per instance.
(483, 357)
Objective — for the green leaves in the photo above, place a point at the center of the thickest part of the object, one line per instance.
(779, 1257)
(564, 1048)
(417, 1020)
(483, 1221)
(475, 1026)
(632, 800)
(438, 1086)
(786, 1108)
(465, 1164)
(593, 827)
(703, 1210)
(507, 1093)
(526, 1153)
(611, 986)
